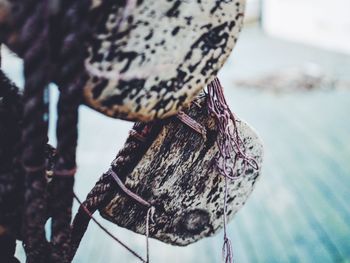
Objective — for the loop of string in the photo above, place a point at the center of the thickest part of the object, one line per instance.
(194, 125)
(134, 196)
(140, 200)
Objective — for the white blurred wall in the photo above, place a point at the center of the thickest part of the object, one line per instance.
(253, 10)
(323, 23)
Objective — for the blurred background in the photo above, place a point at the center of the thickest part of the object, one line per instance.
(289, 77)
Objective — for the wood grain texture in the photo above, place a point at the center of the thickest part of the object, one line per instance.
(178, 175)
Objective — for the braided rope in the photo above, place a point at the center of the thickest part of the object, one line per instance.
(29, 35)
(94, 200)
(10, 177)
(33, 34)
(74, 29)
(105, 188)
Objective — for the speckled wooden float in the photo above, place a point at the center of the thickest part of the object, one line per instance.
(178, 176)
(148, 58)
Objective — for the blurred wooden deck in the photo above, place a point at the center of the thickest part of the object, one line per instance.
(300, 209)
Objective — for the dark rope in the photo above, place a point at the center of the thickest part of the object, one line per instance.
(94, 200)
(11, 176)
(33, 34)
(105, 188)
(73, 29)
(37, 26)
(30, 36)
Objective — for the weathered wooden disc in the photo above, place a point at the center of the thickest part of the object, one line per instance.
(148, 58)
(179, 177)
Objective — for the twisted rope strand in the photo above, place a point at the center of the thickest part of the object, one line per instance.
(74, 30)
(34, 137)
(10, 176)
(104, 190)
(95, 199)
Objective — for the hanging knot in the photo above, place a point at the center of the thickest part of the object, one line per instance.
(228, 142)
(227, 252)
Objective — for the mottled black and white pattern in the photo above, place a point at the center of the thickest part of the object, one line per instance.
(178, 176)
(148, 58)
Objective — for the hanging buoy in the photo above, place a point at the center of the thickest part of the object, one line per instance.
(179, 176)
(147, 59)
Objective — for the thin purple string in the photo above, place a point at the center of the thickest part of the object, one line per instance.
(139, 199)
(107, 231)
(229, 141)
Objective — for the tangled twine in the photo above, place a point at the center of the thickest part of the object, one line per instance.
(228, 142)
